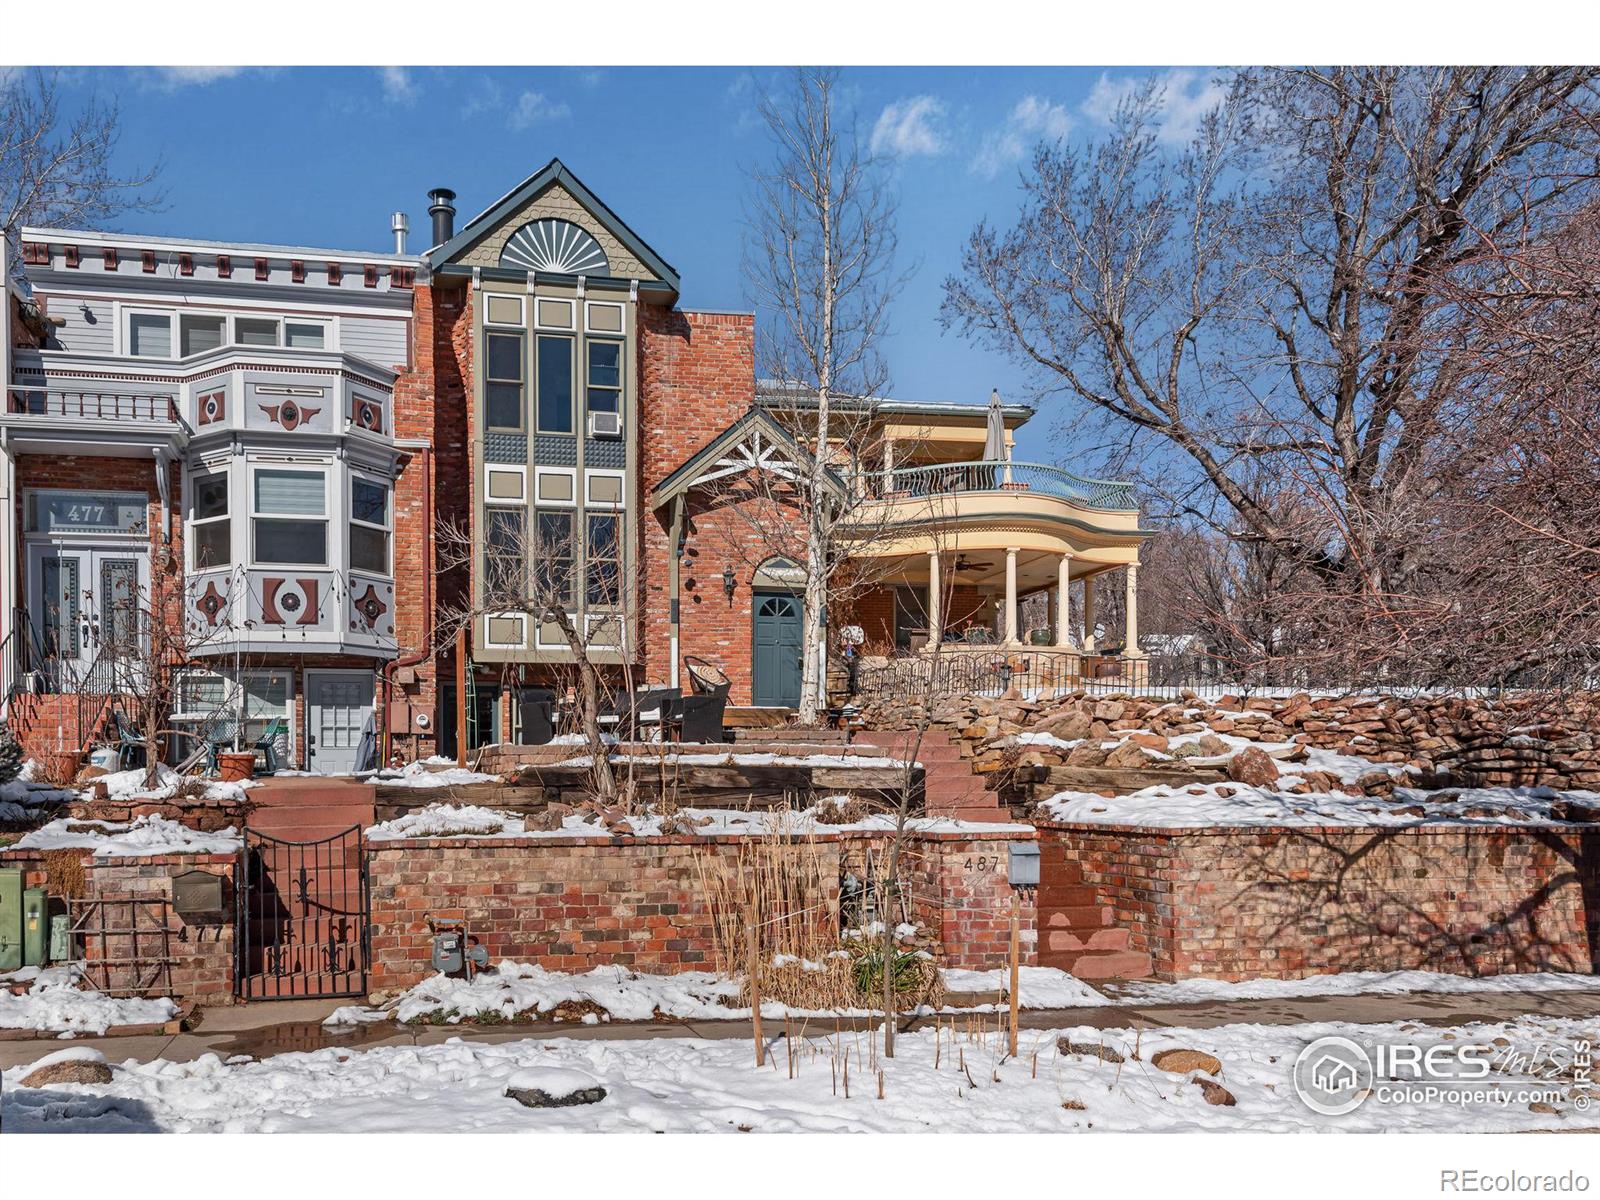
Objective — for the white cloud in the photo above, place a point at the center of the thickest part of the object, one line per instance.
(1185, 97)
(485, 98)
(177, 77)
(398, 86)
(533, 107)
(909, 127)
(1033, 119)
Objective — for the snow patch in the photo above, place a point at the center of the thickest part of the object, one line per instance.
(146, 835)
(54, 1004)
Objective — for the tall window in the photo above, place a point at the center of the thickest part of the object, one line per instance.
(210, 529)
(555, 385)
(605, 376)
(603, 556)
(503, 579)
(290, 517)
(554, 557)
(369, 526)
(503, 381)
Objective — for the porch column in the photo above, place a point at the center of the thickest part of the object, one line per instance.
(1064, 602)
(1010, 637)
(935, 605)
(1131, 639)
(1088, 614)
(888, 465)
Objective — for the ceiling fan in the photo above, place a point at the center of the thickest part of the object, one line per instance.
(962, 564)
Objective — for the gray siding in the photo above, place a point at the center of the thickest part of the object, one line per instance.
(374, 339)
(89, 326)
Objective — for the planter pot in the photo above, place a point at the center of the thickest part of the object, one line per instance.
(233, 768)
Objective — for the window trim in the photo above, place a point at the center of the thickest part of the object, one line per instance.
(233, 698)
(500, 510)
(250, 503)
(588, 325)
(195, 522)
(387, 528)
(590, 560)
(230, 337)
(573, 602)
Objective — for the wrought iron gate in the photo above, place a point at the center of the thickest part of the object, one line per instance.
(303, 916)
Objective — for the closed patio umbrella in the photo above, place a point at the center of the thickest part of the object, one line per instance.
(994, 441)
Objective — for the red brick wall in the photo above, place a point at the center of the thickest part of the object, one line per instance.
(574, 904)
(1287, 903)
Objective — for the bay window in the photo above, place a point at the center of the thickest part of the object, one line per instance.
(150, 335)
(289, 517)
(197, 334)
(255, 331)
(210, 527)
(555, 384)
(369, 526)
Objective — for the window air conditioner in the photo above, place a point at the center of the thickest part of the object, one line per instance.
(605, 424)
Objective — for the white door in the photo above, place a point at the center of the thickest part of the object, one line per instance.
(339, 721)
(84, 604)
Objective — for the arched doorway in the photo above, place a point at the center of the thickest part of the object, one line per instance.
(775, 619)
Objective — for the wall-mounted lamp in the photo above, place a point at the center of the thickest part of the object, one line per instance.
(729, 583)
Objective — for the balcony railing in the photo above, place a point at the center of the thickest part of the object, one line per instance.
(92, 406)
(999, 476)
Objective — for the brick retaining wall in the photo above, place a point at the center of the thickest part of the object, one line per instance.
(572, 904)
(1285, 903)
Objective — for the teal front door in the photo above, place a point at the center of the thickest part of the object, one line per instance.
(776, 659)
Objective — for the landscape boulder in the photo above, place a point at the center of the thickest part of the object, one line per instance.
(68, 1066)
(1181, 1062)
(554, 1087)
(1253, 767)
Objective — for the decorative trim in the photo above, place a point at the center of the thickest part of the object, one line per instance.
(71, 253)
(224, 266)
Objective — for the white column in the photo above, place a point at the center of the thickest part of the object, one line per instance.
(1131, 640)
(1064, 601)
(888, 465)
(935, 601)
(1089, 640)
(1011, 596)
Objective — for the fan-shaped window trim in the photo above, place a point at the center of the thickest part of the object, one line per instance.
(780, 574)
(553, 246)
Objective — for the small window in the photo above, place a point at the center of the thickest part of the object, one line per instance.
(554, 554)
(211, 531)
(255, 331)
(503, 381)
(150, 335)
(503, 581)
(196, 335)
(555, 385)
(604, 559)
(305, 335)
(369, 526)
(605, 377)
(290, 512)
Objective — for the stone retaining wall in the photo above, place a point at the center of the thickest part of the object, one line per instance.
(1285, 903)
(572, 904)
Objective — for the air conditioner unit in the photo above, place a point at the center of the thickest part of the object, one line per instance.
(605, 424)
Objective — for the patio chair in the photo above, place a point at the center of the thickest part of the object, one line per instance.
(267, 745)
(698, 718)
(130, 746)
(647, 705)
(707, 678)
(536, 709)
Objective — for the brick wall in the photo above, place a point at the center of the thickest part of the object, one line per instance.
(1287, 903)
(573, 904)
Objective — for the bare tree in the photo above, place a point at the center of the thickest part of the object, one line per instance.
(533, 573)
(1272, 319)
(58, 170)
(819, 258)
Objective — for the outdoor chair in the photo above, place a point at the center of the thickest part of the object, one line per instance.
(707, 678)
(634, 707)
(267, 745)
(698, 718)
(130, 746)
(536, 709)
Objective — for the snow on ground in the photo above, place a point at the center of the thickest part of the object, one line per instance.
(1039, 987)
(150, 834)
(939, 1081)
(754, 759)
(129, 785)
(417, 775)
(469, 820)
(1206, 806)
(1349, 983)
(1347, 768)
(54, 1004)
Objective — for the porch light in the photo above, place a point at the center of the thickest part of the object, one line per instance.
(729, 583)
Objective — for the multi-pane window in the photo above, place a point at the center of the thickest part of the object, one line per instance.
(603, 558)
(503, 381)
(605, 376)
(210, 529)
(553, 559)
(555, 385)
(369, 526)
(150, 335)
(503, 548)
(184, 334)
(242, 710)
(290, 517)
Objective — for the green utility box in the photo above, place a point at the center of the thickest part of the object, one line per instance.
(10, 919)
(60, 939)
(35, 927)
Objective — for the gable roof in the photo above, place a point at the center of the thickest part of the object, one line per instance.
(553, 172)
(754, 423)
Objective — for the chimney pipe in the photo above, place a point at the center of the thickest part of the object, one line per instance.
(401, 225)
(443, 213)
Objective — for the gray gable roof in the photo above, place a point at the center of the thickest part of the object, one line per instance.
(554, 171)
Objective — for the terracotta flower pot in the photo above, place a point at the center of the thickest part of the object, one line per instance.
(233, 768)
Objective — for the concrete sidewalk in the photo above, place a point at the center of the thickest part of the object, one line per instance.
(277, 1027)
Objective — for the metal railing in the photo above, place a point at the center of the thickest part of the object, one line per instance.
(993, 671)
(22, 400)
(993, 475)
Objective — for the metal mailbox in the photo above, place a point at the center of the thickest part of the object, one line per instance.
(196, 893)
(1022, 865)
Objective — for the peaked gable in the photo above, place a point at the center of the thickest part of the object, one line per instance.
(554, 193)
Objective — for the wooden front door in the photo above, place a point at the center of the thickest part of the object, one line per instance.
(775, 659)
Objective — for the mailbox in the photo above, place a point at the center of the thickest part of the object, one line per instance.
(1022, 866)
(196, 893)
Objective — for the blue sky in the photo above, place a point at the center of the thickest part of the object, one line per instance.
(321, 156)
